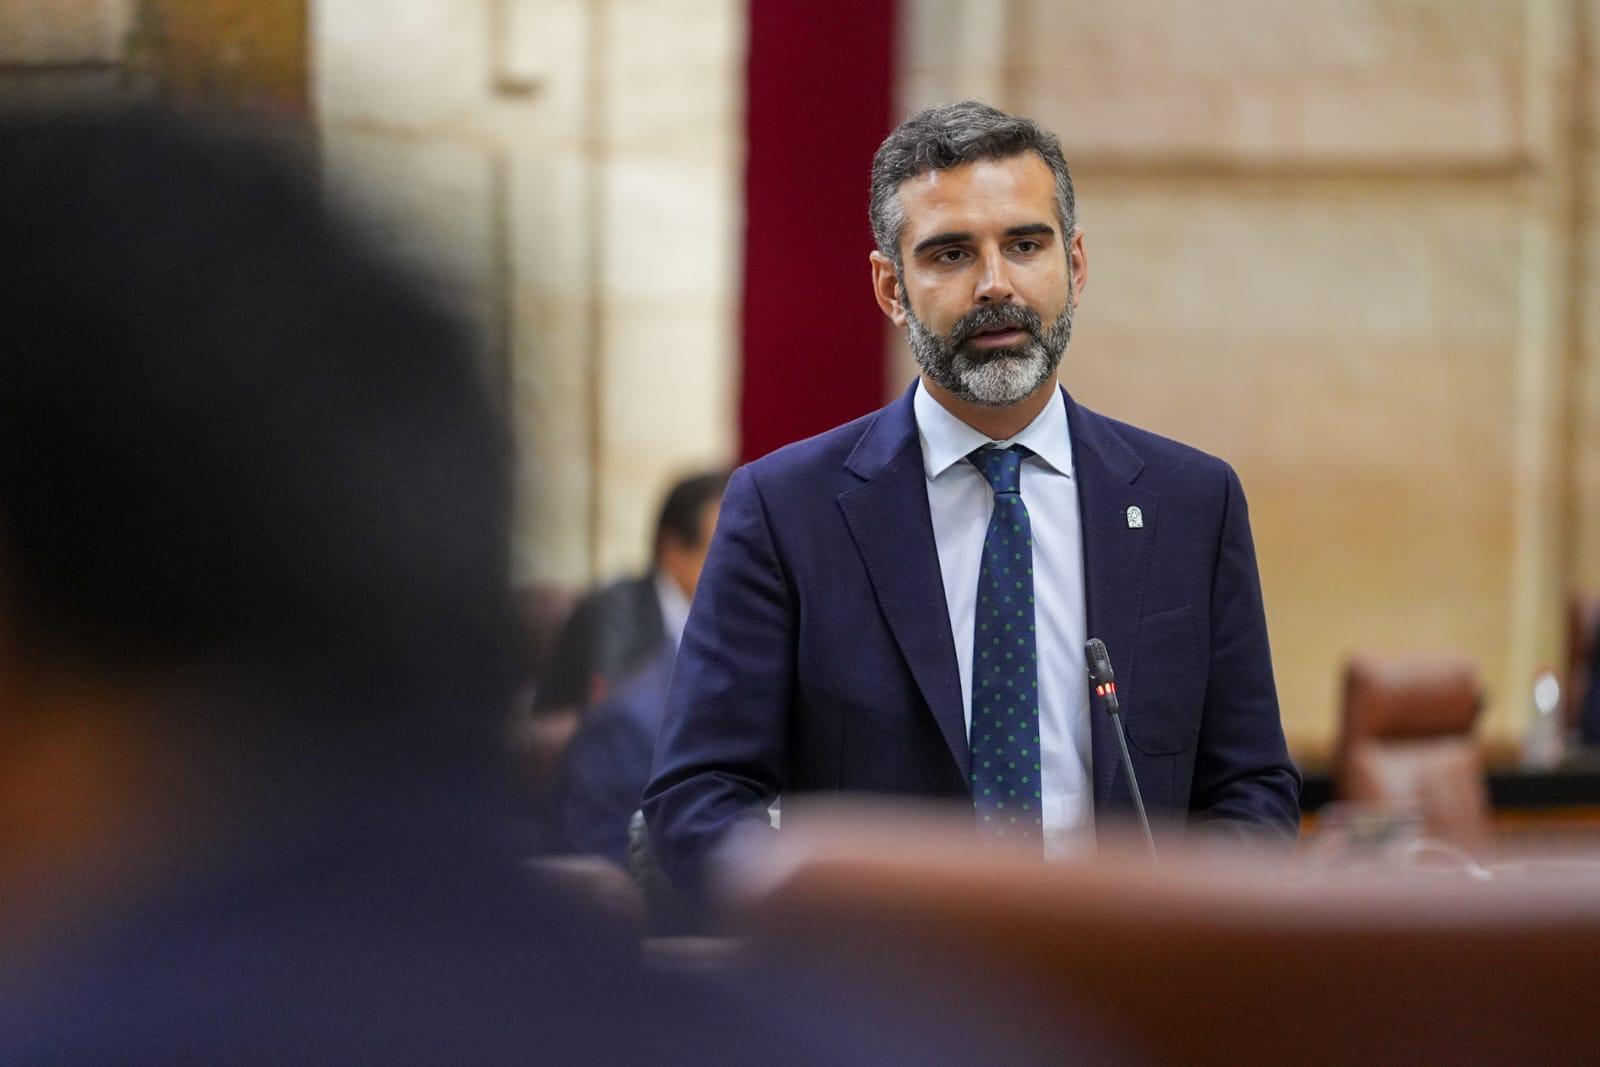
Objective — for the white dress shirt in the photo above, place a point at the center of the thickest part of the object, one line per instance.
(674, 608)
(961, 501)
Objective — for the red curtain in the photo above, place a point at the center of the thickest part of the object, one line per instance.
(819, 88)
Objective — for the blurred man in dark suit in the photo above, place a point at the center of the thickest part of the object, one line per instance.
(621, 628)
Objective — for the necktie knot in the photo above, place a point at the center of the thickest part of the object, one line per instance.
(1001, 467)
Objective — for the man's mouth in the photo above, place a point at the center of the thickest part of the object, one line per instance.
(998, 337)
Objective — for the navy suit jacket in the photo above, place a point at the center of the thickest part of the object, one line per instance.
(818, 654)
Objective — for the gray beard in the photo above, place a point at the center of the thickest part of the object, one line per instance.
(999, 377)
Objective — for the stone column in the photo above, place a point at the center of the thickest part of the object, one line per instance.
(566, 172)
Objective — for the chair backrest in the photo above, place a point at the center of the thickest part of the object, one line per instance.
(1191, 961)
(1406, 742)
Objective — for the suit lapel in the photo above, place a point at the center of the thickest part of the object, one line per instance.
(1116, 557)
(889, 519)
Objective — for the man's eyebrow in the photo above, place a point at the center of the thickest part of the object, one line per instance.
(952, 237)
(955, 237)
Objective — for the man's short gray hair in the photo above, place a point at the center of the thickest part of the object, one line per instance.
(947, 136)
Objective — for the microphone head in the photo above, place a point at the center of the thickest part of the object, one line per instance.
(1098, 661)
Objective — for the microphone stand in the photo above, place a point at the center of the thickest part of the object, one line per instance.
(1103, 684)
(1133, 782)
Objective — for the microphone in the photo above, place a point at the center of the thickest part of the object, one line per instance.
(1103, 684)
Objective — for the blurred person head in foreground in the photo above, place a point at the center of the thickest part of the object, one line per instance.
(252, 496)
(253, 638)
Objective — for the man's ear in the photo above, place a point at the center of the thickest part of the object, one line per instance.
(886, 288)
(1078, 264)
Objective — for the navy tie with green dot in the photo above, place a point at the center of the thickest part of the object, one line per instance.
(1004, 735)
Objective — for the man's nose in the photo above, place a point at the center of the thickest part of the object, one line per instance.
(994, 280)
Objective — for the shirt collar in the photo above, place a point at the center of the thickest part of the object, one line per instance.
(946, 440)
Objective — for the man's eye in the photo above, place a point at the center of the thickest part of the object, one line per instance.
(950, 255)
(1026, 247)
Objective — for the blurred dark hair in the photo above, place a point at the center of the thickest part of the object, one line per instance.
(225, 424)
(686, 500)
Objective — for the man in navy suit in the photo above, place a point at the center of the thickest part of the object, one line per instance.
(900, 605)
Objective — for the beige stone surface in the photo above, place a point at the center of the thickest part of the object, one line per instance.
(1585, 548)
(1586, 433)
(1357, 81)
(674, 77)
(1352, 354)
(49, 32)
(671, 215)
(668, 231)
(489, 190)
(953, 50)
(571, 168)
(657, 395)
(410, 64)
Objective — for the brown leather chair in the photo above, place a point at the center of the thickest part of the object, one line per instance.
(1583, 627)
(1199, 960)
(1406, 742)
